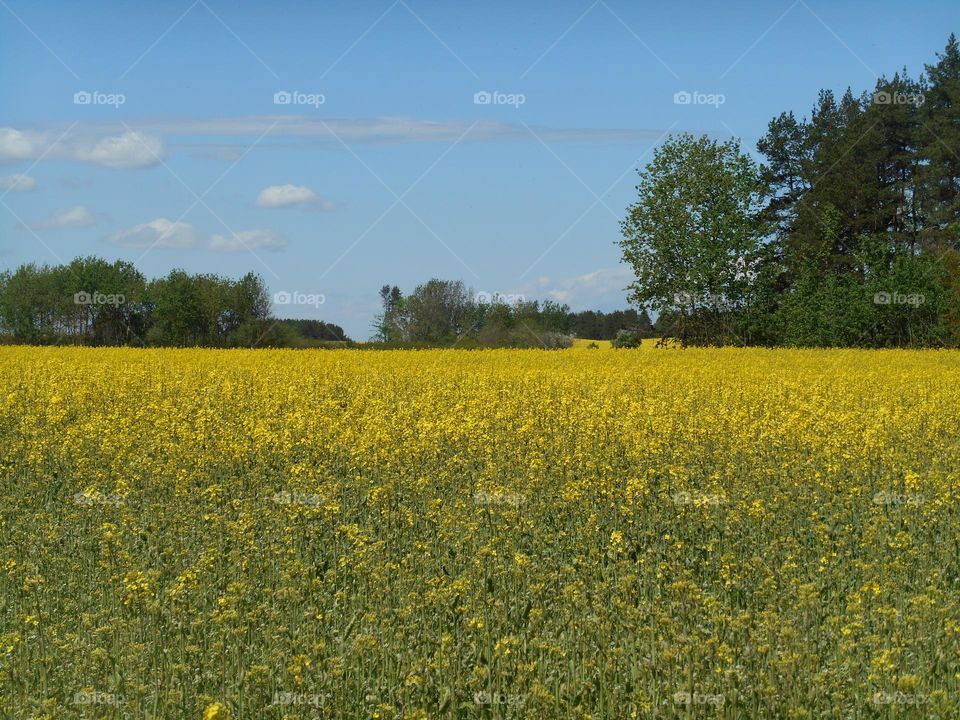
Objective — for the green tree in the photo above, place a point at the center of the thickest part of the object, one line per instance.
(388, 325)
(114, 311)
(437, 311)
(940, 154)
(30, 303)
(247, 313)
(178, 311)
(691, 233)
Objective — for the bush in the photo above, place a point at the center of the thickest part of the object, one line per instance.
(556, 341)
(627, 339)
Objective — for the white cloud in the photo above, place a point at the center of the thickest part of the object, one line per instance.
(122, 151)
(602, 288)
(159, 233)
(387, 130)
(282, 196)
(17, 145)
(75, 217)
(115, 145)
(248, 240)
(17, 183)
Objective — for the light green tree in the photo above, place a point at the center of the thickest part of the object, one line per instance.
(691, 237)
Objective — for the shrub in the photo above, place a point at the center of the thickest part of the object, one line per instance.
(627, 339)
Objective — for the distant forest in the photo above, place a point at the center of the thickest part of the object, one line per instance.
(446, 312)
(91, 301)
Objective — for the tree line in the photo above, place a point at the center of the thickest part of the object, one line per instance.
(446, 312)
(846, 234)
(91, 301)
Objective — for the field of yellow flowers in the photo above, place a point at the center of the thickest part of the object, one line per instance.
(655, 533)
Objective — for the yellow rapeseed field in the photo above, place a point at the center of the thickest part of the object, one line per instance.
(580, 344)
(665, 533)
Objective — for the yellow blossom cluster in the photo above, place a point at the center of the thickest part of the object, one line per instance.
(479, 534)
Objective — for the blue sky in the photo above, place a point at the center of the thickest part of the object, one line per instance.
(385, 166)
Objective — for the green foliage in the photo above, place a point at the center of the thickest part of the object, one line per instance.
(438, 311)
(627, 339)
(388, 325)
(855, 239)
(605, 326)
(315, 331)
(93, 302)
(691, 232)
(445, 313)
(89, 300)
